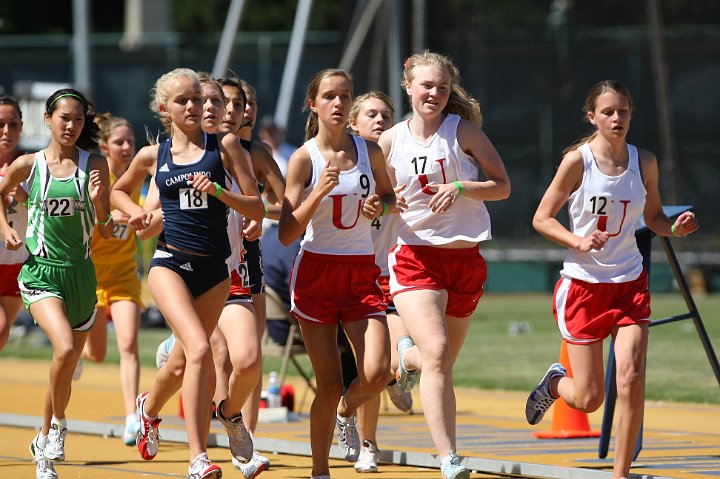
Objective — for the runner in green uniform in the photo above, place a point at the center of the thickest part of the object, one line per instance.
(68, 192)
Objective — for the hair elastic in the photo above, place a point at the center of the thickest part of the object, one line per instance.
(82, 100)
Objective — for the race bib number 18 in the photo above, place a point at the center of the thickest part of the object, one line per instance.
(192, 199)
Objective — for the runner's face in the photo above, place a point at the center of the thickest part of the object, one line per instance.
(213, 108)
(67, 121)
(429, 90)
(234, 110)
(185, 103)
(120, 146)
(251, 110)
(374, 117)
(10, 128)
(333, 100)
(612, 115)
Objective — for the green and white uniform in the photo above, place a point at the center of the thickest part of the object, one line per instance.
(61, 218)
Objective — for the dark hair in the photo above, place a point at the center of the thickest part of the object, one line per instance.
(312, 124)
(598, 89)
(90, 134)
(10, 100)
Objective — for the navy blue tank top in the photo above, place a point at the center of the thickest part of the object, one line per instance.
(192, 221)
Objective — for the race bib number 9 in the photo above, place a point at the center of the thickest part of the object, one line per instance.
(58, 207)
(192, 199)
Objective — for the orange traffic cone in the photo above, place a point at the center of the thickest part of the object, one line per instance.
(567, 422)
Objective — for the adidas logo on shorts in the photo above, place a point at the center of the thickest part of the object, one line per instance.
(187, 266)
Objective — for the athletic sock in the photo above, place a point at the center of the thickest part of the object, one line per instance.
(60, 422)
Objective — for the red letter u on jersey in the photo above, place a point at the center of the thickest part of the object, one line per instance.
(337, 212)
(424, 179)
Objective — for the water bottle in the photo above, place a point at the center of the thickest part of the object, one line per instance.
(273, 389)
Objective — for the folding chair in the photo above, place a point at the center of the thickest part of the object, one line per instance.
(294, 346)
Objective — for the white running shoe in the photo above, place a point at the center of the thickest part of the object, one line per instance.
(77, 372)
(241, 443)
(163, 351)
(348, 437)
(202, 468)
(452, 468)
(44, 468)
(55, 447)
(252, 468)
(406, 379)
(132, 428)
(367, 462)
(401, 399)
(542, 397)
(261, 458)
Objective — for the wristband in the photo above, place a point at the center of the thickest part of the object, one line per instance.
(218, 189)
(103, 223)
(384, 211)
(266, 212)
(674, 232)
(459, 187)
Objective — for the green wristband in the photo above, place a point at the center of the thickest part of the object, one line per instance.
(384, 211)
(218, 189)
(108, 220)
(459, 187)
(674, 232)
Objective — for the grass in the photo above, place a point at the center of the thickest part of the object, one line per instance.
(492, 358)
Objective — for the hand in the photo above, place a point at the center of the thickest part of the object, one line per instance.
(329, 179)
(686, 224)
(372, 207)
(400, 201)
(95, 187)
(12, 240)
(252, 229)
(444, 197)
(202, 183)
(595, 241)
(141, 221)
(119, 216)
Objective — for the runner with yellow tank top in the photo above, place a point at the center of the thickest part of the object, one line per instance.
(116, 270)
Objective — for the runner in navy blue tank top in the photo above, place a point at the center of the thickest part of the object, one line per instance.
(188, 277)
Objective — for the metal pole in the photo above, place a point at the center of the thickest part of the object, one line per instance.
(359, 34)
(419, 20)
(292, 63)
(81, 46)
(395, 61)
(666, 124)
(228, 36)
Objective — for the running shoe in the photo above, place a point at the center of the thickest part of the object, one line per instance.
(44, 468)
(55, 447)
(542, 397)
(132, 428)
(348, 438)
(452, 469)
(367, 462)
(252, 468)
(406, 380)
(148, 437)
(163, 351)
(401, 399)
(241, 443)
(202, 468)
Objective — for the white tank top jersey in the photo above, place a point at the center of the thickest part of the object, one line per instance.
(607, 203)
(234, 229)
(338, 225)
(440, 160)
(17, 216)
(384, 237)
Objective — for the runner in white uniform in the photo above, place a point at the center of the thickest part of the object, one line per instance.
(436, 270)
(11, 260)
(336, 185)
(603, 290)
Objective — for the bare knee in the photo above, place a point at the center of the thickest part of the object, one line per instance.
(630, 382)
(589, 401)
(437, 358)
(95, 354)
(198, 353)
(329, 390)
